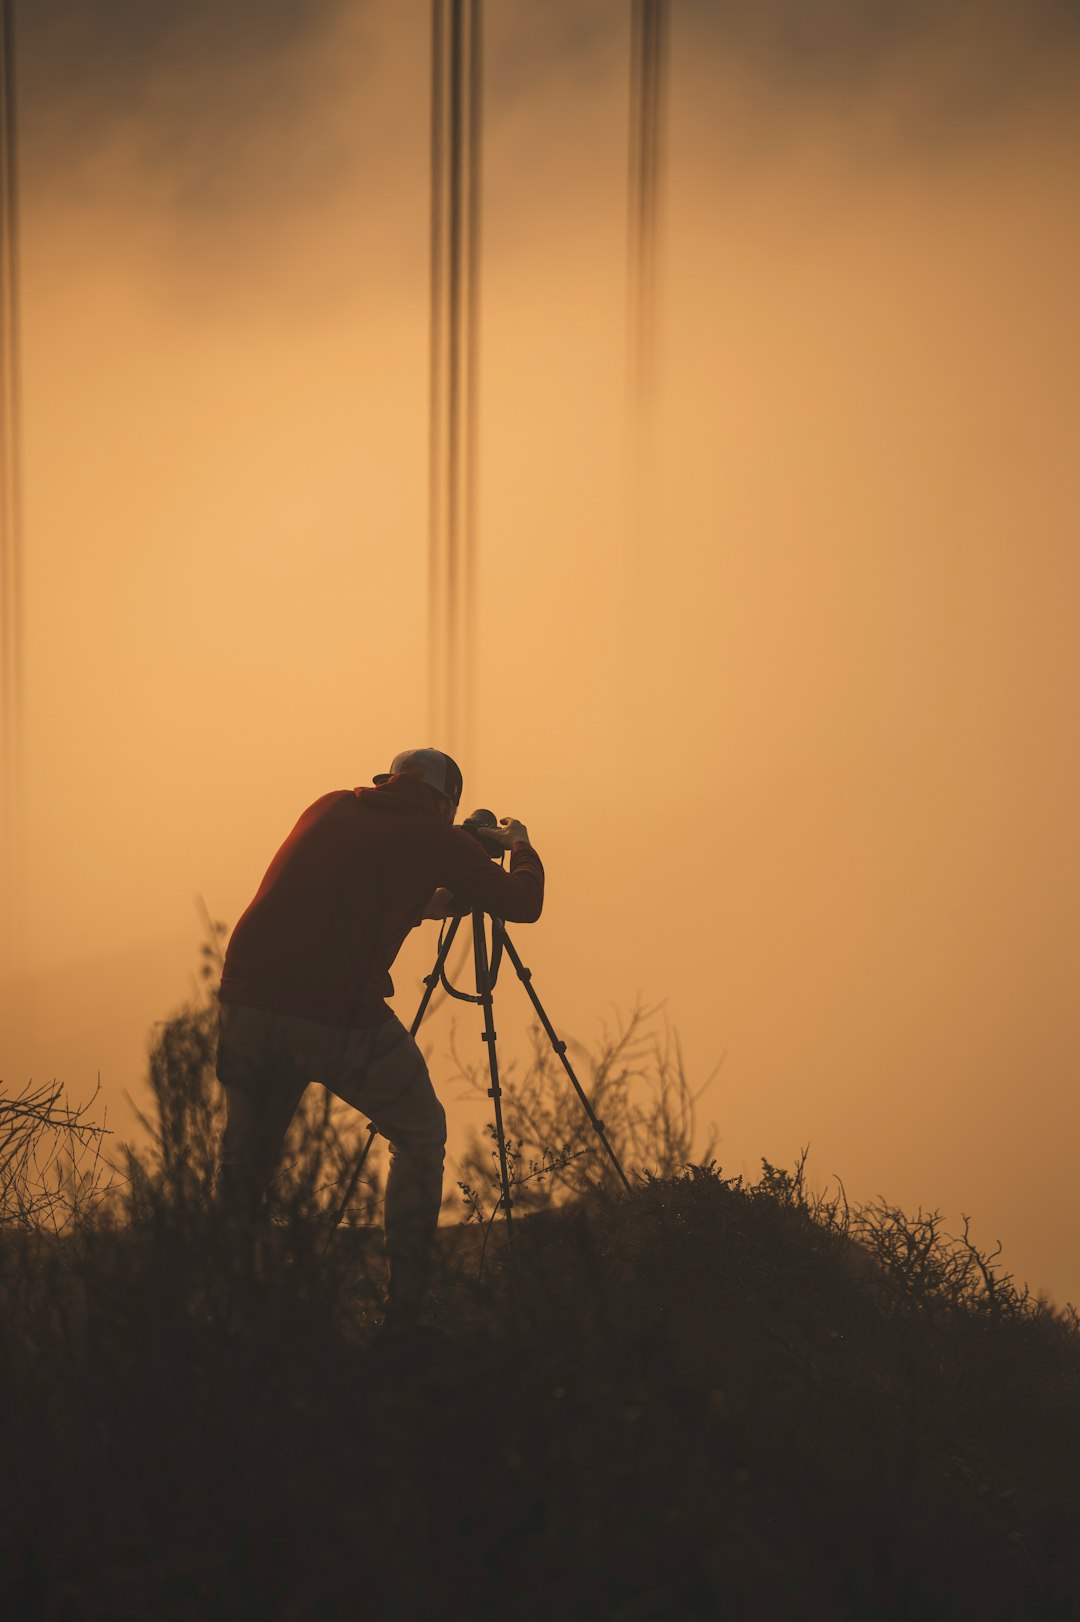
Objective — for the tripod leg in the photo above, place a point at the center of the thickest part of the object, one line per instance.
(525, 976)
(431, 980)
(483, 992)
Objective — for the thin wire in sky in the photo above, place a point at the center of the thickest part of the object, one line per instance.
(11, 559)
(649, 32)
(456, 124)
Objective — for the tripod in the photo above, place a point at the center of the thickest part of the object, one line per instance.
(486, 969)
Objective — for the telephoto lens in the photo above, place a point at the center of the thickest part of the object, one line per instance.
(475, 823)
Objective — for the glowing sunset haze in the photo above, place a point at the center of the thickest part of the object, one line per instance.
(801, 764)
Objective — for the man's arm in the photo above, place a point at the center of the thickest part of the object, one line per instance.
(441, 905)
(475, 881)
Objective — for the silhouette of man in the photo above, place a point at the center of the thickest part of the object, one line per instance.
(307, 972)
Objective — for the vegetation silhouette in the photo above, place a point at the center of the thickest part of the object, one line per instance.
(712, 1398)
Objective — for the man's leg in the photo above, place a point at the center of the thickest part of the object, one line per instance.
(382, 1073)
(261, 1093)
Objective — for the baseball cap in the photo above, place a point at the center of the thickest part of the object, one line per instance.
(431, 766)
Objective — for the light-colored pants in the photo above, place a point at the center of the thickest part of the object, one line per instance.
(266, 1060)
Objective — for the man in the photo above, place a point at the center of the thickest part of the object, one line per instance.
(308, 968)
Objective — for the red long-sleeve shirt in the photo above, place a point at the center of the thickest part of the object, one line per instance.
(350, 881)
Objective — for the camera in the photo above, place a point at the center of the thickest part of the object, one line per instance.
(475, 823)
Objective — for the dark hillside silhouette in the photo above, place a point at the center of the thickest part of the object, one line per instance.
(709, 1399)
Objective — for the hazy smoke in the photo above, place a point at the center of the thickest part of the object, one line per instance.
(836, 828)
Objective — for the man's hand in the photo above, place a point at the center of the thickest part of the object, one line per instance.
(441, 904)
(508, 833)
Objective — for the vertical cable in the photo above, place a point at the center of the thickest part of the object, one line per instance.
(648, 62)
(454, 481)
(452, 458)
(472, 346)
(436, 536)
(633, 204)
(647, 204)
(11, 584)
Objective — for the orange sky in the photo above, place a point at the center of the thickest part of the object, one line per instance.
(808, 776)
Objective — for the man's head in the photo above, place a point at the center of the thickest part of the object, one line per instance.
(433, 767)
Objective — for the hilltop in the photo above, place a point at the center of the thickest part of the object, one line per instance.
(704, 1400)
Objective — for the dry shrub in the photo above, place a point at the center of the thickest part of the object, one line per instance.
(636, 1083)
(52, 1170)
